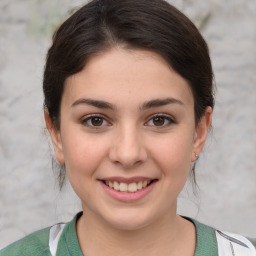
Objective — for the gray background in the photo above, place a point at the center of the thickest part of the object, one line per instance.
(226, 172)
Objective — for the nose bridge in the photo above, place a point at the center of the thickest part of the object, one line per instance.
(128, 148)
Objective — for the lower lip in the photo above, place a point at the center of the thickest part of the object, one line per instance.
(126, 196)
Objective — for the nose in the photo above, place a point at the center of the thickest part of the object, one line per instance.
(127, 147)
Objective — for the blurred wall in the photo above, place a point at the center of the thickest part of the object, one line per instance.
(226, 172)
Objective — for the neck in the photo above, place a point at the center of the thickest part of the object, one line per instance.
(165, 236)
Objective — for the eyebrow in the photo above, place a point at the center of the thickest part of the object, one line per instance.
(94, 103)
(160, 102)
(149, 104)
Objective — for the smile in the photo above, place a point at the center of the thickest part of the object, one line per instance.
(128, 187)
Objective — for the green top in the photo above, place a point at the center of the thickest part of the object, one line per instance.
(36, 244)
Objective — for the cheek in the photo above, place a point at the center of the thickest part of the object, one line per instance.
(83, 153)
(173, 154)
(173, 158)
(83, 156)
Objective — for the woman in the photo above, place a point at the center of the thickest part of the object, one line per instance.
(128, 104)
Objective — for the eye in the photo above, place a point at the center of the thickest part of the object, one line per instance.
(160, 120)
(94, 121)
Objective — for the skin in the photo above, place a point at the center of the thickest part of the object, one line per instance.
(129, 142)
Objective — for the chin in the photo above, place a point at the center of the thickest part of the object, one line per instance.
(129, 225)
(129, 220)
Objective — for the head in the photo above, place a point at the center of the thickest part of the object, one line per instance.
(143, 26)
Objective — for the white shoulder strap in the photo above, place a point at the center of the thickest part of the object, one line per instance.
(54, 236)
(233, 245)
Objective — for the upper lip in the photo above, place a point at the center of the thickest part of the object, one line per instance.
(127, 180)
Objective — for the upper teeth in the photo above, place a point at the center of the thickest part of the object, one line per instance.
(124, 187)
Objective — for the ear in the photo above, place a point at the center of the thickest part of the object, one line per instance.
(201, 132)
(55, 136)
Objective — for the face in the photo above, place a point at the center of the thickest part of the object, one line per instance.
(127, 137)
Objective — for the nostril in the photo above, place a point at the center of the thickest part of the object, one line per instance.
(128, 157)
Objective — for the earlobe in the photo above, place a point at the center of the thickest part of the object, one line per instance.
(201, 134)
(55, 137)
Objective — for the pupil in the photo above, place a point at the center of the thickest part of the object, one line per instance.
(158, 121)
(97, 121)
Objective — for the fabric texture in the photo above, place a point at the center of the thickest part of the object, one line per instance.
(37, 244)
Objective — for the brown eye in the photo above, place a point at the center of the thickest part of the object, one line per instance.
(159, 121)
(96, 121)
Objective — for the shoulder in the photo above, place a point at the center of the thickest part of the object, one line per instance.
(35, 244)
(43, 242)
(235, 243)
(224, 243)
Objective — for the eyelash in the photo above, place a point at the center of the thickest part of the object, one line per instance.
(165, 117)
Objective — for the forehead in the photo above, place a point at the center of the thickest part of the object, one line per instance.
(131, 75)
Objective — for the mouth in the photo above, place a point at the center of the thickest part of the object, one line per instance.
(131, 187)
